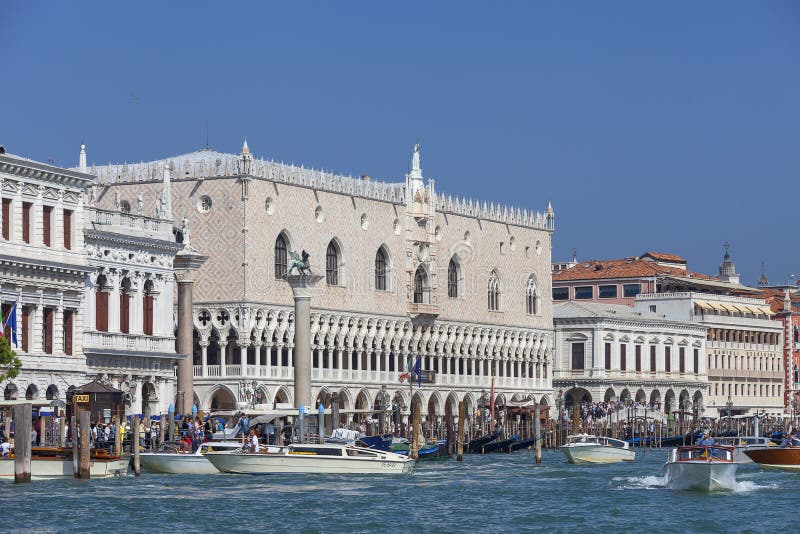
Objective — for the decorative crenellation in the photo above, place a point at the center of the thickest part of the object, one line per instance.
(210, 164)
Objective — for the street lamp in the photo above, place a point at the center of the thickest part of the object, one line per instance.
(729, 404)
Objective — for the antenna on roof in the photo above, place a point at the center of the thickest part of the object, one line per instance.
(207, 135)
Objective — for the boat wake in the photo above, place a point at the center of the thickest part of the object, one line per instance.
(744, 486)
(646, 482)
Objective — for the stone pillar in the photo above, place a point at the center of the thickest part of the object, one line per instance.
(302, 286)
(204, 358)
(187, 261)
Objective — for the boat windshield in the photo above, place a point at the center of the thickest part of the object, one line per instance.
(703, 453)
(317, 451)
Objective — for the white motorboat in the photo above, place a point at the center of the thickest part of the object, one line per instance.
(742, 444)
(589, 449)
(310, 458)
(701, 467)
(60, 466)
(186, 463)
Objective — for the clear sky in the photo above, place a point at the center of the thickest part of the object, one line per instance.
(668, 126)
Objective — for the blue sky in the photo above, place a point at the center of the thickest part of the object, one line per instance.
(669, 126)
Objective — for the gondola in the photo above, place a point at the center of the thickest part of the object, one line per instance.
(500, 446)
(377, 442)
(522, 444)
(477, 444)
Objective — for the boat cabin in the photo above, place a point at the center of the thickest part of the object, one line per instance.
(588, 439)
(334, 450)
(699, 453)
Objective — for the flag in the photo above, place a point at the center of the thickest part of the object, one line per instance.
(418, 370)
(12, 320)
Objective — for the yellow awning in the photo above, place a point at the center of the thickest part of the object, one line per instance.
(718, 307)
(703, 304)
(766, 310)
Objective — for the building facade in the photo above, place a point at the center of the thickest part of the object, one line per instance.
(613, 353)
(56, 257)
(408, 272)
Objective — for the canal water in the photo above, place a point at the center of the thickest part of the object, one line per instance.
(492, 493)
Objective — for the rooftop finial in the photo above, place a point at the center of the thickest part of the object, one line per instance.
(245, 148)
(82, 158)
(726, 246)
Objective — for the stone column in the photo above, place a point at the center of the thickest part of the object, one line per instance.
(187, 261)
(302, 287)
(204, 358)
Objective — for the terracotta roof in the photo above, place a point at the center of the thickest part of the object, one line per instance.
(625, 268)
(663, 256)
(96, 387)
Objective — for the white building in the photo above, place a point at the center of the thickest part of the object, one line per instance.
(92, 288)
(408, 271)
(611, 352)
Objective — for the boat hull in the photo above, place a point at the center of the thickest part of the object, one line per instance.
(787, 458)
(701, 476)
(51, 468)
(267, 464)
(597, 454)
(178, 464)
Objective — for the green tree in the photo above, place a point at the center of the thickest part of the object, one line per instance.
(9, 363)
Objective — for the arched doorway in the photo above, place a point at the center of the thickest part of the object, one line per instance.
(577, 398)
(641, 396)
(432, 424)
(362, 405)
(669, 401)
(655, 399)
(684, 402)
(32, 393)
(10, 392)
(610, 396)
(625, 396)
(52, 392)
(281, 397)
(223, 399)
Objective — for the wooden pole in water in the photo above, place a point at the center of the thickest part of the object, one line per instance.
(22, 443)
(62, 436)
(460, 437)
(576, 418)
(162, 428)
(171, 423)
(73, 428)
(117, 438)
(415, 430)
(537, 431)
(137, 468)
(83, 468)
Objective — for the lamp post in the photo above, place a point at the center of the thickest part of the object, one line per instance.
(729, 405)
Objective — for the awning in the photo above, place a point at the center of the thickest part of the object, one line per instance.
(730, 308)
(703, 304)
(718, 307)
(766, 310)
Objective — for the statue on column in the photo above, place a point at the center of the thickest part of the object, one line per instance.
(302, 265)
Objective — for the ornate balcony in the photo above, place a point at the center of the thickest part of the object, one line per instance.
(137, 343)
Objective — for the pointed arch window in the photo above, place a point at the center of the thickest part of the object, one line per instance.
(532, 297)
(281, 257)
(452, 279)
(380, 270)
(332, 264)
(419, 285)
(493, 292)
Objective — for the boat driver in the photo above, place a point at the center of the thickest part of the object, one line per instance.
(707, 439)
(790, 440)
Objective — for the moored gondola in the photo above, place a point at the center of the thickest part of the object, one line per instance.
(500, 446)
(477, 444)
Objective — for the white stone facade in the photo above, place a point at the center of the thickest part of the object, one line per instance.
(464, 284)
(612, 353)
(743, 348)
(53, 248)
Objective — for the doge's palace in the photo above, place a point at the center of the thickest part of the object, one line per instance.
(408, 272)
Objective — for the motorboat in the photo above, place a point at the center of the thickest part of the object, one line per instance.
(701, 467)
(177, 461)
(55, 462)
(786, 458)
(589, 449)
(742, 444)
(325, 458)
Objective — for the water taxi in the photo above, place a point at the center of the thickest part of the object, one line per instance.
(785, 458)
(176, 461)
(701, 467)
(55, 462)
(742, 444)
(312, 458)
(589, 449)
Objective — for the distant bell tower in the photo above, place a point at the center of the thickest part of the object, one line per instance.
(727, 269)
(762, 280)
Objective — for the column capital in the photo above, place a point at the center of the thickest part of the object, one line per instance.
(303, 284)
(186, 263)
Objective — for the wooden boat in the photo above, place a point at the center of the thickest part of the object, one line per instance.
(176, 461)
(786, 458)
(55, 462)
(742, 444)
(701, 467)
(522, 444)
(500, 446)
(328, 458)
(589, 449)
(477, 444)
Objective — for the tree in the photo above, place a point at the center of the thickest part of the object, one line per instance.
(9, 363)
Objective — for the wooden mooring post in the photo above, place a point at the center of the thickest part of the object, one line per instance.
(537, 431)
(84, 449)
(162, 428)
(117, 437)
(73, 429)
(137, 468)
(460, 437)
(22, 443)
(62, 436)
(416, 436)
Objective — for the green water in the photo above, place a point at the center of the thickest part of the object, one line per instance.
(492, 493)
